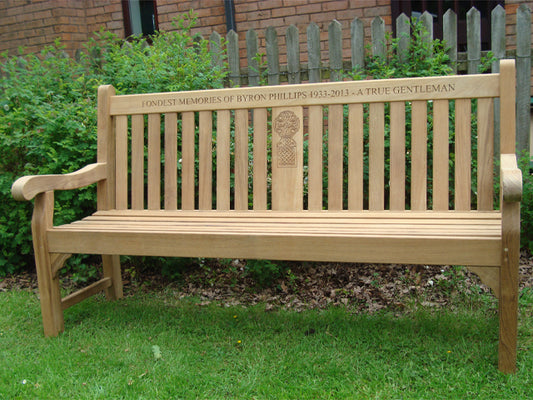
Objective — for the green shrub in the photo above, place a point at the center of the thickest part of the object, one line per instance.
(48, 116)
(265, 272)
(47, 125)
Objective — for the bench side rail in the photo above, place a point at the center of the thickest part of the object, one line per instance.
(417, 143)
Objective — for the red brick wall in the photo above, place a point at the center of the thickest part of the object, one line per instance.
(36, 23)
(280, 14)
(510, 20)
(105, 14)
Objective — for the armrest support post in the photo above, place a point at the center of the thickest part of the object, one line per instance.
(511, 179)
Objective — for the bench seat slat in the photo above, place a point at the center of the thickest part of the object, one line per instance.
(287, 221)
(312, 246)
(448, 215)
(466, 238)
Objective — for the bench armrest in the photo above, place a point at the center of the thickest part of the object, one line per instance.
(27, 187)
(511, 179)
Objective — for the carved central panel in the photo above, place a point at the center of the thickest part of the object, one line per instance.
(286, 125)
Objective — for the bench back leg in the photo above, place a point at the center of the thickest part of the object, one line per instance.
(111, 265)
(48, 281)
(508, 309)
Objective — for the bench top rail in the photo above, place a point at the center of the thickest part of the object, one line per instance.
(416, 144)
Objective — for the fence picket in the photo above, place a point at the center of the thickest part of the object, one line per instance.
(473, 38)
(449, 34)
(215, 48)
(427, 21)
(313, 48)
(403, 32)
(335, 50)
(498, 50)
(234, 58)
(293, 54)
(272, 53)
(357, 41)
(378, 37)
(251, 53)
(523, 77)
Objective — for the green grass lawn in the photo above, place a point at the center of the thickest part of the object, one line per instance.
(158, 347)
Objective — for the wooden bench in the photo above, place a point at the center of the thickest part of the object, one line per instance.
(176, 177)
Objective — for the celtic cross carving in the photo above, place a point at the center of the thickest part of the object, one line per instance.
(286, 125)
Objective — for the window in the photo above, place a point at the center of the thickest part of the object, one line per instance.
(140, 17)
(437, 8)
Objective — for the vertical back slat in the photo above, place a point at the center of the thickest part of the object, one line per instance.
(462, 154)
(171, 161)
(287, 158)
(154, 161)
(314, 179)
(187, 159)
(223, 160)
(355, 157)
(205, 158)
(440, 155)
(485, 154)
(137, 162)
(260, 159)
(335, 157)
(419, 156)
(397, 155)
(121, 162)
(241, 159)
(376, 157)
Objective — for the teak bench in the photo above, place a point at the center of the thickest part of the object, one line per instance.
(238, 173)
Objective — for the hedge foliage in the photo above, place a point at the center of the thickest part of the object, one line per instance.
(48, 115)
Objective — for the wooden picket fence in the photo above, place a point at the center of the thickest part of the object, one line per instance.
(317, 70)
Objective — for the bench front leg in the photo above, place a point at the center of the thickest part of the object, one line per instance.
(111, 266)
(48, 280)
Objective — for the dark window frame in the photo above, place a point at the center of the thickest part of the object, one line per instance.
(128, 31)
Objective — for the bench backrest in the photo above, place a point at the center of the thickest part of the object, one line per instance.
(375, 144)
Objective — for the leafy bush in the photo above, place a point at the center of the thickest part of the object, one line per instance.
(47, 125)
(48, 115)
(423, 57)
